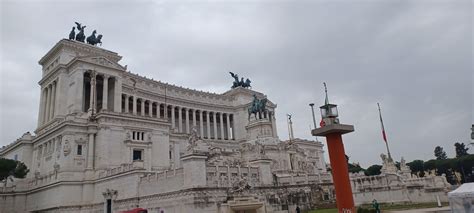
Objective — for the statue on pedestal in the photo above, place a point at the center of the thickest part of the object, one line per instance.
(257, 107)
(192, 140)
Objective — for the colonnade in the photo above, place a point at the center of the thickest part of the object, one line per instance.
(48, 102)
(209, 124)
(95, 99)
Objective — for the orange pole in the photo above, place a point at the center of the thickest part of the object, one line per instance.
(340, 173)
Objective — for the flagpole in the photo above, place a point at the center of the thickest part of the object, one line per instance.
(383, 133)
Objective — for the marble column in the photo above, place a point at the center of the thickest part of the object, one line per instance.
(158, 110)
(232, 125)
(45, 106)
(92, 103)
(173, 125)
(274, 130)
(48, 103)
(150, 108)
(117, 94)
(228, 126)
(208, 122)
(41, 108)
(142, 107)
(105, 93)
(194, 117)
(90, 153)
(165, 111)
(187, 120)
(214, 120)
(53, 100)
(201, 127)
(134, 105)
(221, 120)
(126, 103)
(180, 119)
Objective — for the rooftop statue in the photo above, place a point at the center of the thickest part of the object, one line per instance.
(80, 36)
(72, 34)
(241, 83)
(94, 40)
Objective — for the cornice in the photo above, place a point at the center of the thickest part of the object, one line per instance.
(81, 47)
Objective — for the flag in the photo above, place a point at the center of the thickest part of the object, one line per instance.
(381, 123)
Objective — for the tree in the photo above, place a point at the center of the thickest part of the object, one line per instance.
(373, 170)
(465, 166)
(439, 153)
(461, 149)
(417, 167)
(12, 168)
(430, 165)
(354, 168)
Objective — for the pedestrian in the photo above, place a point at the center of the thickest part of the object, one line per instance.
(376, 206)
(298, 210)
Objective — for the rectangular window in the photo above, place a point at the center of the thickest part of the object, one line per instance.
(79, 149)
(15, 157)
(138, 136)
(137, 154)
(109, 206)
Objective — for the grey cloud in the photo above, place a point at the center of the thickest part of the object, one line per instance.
(414, 57)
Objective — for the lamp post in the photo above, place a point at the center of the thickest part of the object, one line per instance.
(333, 131)
(314, 118)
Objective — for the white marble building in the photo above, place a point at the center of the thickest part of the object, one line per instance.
(398, 185)
(109, 140)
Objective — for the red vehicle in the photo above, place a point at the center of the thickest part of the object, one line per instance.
(136, 210)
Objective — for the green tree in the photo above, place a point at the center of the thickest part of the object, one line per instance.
(12, 168)
(430, 165)
(446, 167)
(439, 153)
(354, 168)
(373, 170)
(465, 165)
(461, 149)
(417, 167)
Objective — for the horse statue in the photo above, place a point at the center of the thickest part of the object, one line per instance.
(94, 40)
(80, 36)
(257, 107)
(246, 83)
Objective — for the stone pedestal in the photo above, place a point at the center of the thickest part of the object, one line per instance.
(259, 128)
(264, 170)
(194, 168)
(243, 204)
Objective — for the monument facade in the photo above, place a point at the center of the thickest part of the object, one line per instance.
(108, 140)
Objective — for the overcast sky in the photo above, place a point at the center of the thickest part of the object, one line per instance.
(414, 57)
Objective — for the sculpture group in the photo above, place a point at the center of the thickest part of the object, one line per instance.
(257, 107)
(241, 83)
(92, 39)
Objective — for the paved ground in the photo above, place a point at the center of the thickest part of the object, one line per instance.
(445, 209)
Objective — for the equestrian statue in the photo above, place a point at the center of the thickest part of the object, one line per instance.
(257, 107)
